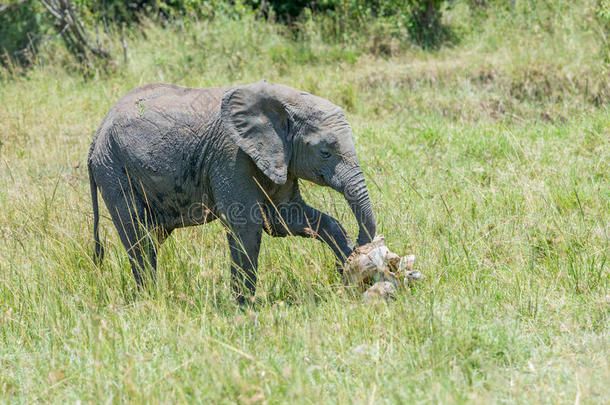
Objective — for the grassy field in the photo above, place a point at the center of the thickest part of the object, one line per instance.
(489, 160)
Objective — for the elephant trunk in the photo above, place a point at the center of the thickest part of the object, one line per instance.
(353, 188)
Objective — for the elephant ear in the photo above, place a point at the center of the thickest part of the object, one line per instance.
(257, 121)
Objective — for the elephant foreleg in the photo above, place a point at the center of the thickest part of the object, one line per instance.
(302, 220)
(244, 243)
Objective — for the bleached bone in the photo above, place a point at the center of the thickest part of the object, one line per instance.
(375, 263)
(406, 268)
(381, 289)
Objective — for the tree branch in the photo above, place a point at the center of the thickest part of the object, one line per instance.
(6, 7)
(72, 29)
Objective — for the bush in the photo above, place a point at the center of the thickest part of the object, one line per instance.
(21, 26)
(378, 26)
(125, 12)
(421, 17)
(424, 22)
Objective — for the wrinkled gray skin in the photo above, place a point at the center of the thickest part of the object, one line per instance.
(167, 157)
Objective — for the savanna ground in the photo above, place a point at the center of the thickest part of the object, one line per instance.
(488, 159)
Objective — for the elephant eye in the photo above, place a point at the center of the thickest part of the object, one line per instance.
(325, 153)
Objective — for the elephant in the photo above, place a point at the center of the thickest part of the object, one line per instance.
(166, 157)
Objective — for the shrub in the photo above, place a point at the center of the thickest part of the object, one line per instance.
(21, 26)
(421, 17)
(424, 22)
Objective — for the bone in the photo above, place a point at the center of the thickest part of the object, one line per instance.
(379, 271)
(381, 289)
(406, 268)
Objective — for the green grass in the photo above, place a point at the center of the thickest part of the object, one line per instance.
(489, 160)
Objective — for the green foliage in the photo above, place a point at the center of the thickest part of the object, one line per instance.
(21, 30)
(424, 22)
(385, 23)
(115, 12)
(421, 17)
(603, 14)
(290, 10)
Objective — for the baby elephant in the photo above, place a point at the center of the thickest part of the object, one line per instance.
(167, 157)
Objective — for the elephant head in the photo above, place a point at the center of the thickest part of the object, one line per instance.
(290, 133)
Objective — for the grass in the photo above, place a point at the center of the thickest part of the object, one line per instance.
(489, 160)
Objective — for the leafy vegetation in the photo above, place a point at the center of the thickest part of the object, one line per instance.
(488, 159)
(27, 22)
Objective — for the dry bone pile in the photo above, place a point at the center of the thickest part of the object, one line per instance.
(378, 270)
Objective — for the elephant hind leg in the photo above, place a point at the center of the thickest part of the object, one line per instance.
(137, 233)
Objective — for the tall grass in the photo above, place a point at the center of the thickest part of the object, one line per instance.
(489, 160)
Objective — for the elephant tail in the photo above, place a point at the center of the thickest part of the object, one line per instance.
(98, 255)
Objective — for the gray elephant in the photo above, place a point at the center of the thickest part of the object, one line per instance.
(167, 157)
